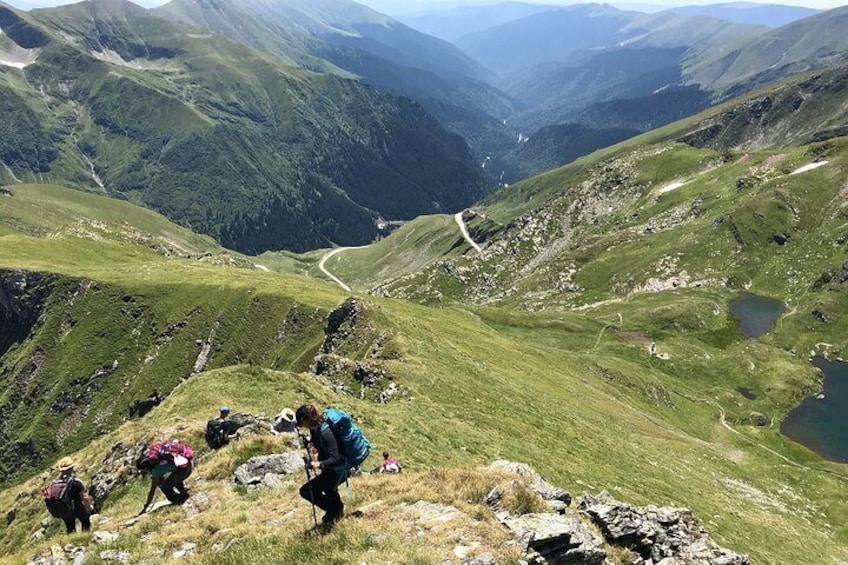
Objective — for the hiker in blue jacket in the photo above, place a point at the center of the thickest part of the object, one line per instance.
(323, 489)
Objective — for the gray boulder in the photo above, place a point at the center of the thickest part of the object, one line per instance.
(255, 471)
(430, 513)
(484, 559)
(557, 539)
(670, 535)
(557, 498)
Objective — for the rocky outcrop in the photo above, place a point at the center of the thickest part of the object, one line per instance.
(833, 279)
(250, 424)
(368, 376)
(140, 408)
(557, 538)
(269, 470)
(58, 555)
(656, 535)
(350, 357)
(430, 513)
(116, 469)
(558, 499)
(734, 229)
(343, 324)
(22, 297)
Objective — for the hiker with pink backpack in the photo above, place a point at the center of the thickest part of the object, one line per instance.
(169, 463)
(66, 498)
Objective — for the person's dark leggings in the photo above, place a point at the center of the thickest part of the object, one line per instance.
(83, 516)
(325, 487)
(173, 488)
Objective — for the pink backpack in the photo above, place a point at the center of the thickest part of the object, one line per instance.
(179, 451)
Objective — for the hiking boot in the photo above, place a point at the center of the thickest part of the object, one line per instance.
(332, 517)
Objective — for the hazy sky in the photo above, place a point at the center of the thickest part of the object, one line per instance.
(401, 6)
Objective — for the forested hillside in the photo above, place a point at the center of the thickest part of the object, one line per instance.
(218, 137)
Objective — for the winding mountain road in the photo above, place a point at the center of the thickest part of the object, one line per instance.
(331, 276)
(461, 223)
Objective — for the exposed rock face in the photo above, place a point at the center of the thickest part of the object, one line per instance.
(249, 424)
(430, 513)
(117, 468)
(820, 315)
(341, 325)
(656, 534)
(102, 537)
(557, 498)
(781, 238)
(140, 408)
(559, 539)
(267, 470)
(22, 297)
(832, 279)
(351, 355)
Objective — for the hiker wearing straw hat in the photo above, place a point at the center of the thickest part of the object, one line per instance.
(66, 498)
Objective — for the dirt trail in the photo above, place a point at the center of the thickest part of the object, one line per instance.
(461, 223)
(330, 275)
(809, 167)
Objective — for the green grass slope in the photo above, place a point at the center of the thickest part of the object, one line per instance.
(813, 42)
(574, 394)
(42, 210)
(97, 313)
(588, 409)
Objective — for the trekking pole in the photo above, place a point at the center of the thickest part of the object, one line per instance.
(307, 464)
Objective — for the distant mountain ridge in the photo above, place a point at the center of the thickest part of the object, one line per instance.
(453, 22)
(216, 136)
(601, 67)
(352, 40)
(772, 15)
(815, 42)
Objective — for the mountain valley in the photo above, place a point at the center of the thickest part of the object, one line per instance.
(276, 202)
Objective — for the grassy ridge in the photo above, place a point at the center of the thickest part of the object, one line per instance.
(41, 210)
(127, 304)
(586, 405)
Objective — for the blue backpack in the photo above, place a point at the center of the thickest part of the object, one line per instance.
(354, 445)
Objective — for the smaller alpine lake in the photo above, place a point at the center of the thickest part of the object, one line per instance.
(756, 314)
(820, 423)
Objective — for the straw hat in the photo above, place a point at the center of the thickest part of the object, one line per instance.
(66, 464)
(288, 415)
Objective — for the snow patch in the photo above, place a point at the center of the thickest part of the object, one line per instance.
(809, 167)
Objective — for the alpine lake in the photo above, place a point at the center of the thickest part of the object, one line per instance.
(819, 422)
